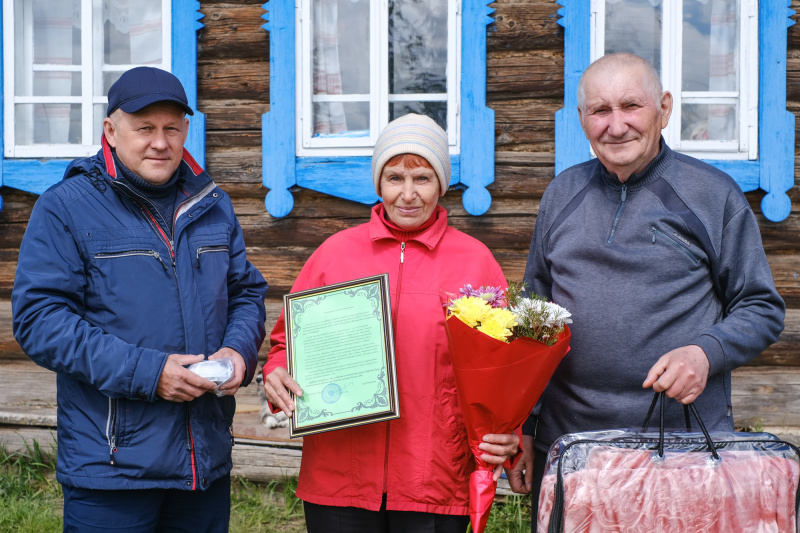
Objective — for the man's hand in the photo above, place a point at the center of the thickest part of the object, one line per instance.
(520, 478)
(177, 384)
(499, 449)
(230, 387)
(681, 373)
(277, 385)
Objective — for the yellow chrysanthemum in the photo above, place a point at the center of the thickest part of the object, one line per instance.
(470, 310)
(502, 317)
(494, 330)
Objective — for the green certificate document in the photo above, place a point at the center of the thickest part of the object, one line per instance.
(340, 350)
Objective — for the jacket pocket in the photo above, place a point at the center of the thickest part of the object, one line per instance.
(122, 254)
(674, 242)
(215, 248)
(452, 424)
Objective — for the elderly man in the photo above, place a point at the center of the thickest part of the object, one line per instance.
(659, 259)
(132, 268)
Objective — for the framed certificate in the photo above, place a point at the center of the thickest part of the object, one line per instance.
(340, 350)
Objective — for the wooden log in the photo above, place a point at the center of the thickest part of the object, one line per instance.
(238, 172)
(225, 115)
(512, 74)
(248, 139)
(785, 352)
(525, 26)
(233, 79)
(525, 121)
(233, 31)
(264, 462)
(767, 396)
(9, 349)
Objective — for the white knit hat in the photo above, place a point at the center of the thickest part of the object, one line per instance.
(413, 134)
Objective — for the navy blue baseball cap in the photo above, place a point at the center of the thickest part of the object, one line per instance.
(141, 86)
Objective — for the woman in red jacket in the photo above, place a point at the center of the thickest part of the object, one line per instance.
(410, 474)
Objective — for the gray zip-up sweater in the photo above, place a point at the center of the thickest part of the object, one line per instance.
(672, 257)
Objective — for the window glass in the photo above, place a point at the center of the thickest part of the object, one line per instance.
(709, 122)
(417, 46)
(341, 30)
(371, 62)
(634, 26)
(436, 110)
(51, 103)
(132, 32)
(710, 45)
(51, 31)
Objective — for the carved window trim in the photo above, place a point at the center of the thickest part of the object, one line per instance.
(772, 172)
(350, 177)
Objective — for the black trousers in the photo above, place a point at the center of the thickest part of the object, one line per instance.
(539, 463)
(330, 519)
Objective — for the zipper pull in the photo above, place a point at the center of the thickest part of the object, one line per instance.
(624, 192)
(112, 450)
(653, 231)
(402, 251)
(198, 258)
(158, 256)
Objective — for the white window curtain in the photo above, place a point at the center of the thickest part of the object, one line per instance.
(329, 117)
(139, 22)
(722, 68)
(53, 24)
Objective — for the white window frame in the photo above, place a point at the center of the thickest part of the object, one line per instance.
(671, 53)
(91, 55)
(307, 145)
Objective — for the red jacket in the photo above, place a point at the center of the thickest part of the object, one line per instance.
(421, 460)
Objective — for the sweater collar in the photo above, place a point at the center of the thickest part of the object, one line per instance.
(429, 235)
(651, 173)
(145, 188)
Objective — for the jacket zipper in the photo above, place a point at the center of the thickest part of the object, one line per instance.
(142, 202)
(129, 253)
(623, 197)
(190, 447)
(208, 249)
(674, 242)
(111, 430)
(394, 317)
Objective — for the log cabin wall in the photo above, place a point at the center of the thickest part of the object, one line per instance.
(524, 87)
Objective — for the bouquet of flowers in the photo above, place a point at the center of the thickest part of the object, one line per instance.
(504, 348)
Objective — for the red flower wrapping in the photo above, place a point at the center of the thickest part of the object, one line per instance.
(498, 385)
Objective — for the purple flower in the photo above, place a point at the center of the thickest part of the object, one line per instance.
(494, 296)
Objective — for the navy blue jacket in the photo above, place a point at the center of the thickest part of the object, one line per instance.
(102, 297)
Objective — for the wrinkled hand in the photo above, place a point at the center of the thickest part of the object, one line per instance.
(681, 373)
(230, 387)
(177, 384)
(499, 449)
(277, 385)
(520, 478)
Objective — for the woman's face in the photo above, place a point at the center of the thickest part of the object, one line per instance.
(410, 191)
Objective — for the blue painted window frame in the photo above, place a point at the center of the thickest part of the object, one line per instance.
(37, 175)
(351, 177)
(773, 171)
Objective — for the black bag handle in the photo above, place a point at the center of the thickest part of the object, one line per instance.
(556, 524)
(659, 397)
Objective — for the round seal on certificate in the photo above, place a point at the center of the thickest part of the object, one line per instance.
(331, 393)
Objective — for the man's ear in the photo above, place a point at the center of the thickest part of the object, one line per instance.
(110, 131)
(580, 119)
(666, 108)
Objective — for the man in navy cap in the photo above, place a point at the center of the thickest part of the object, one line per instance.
(132, 268)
